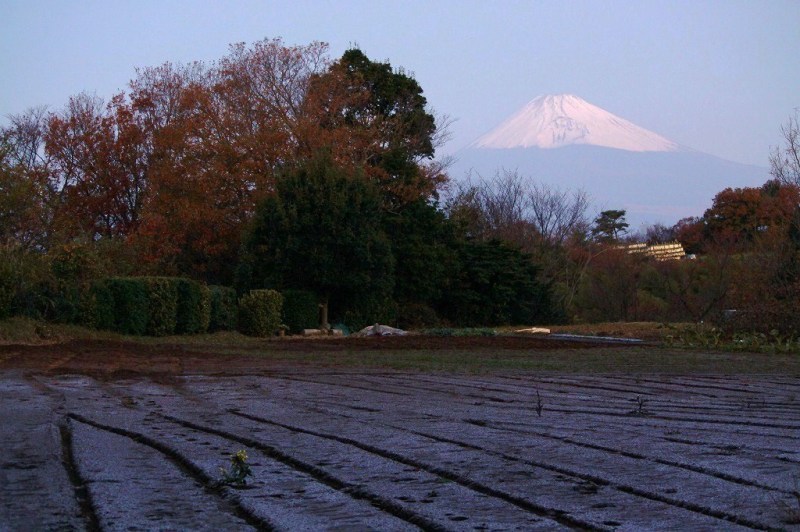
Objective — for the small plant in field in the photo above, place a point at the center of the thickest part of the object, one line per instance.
(763, 343)
(237, 476)
(539, 405)
(640, 407)
(699, 336)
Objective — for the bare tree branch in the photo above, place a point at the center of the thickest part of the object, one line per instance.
(785, 162)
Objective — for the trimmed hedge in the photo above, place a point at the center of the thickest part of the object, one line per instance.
(131, 304)
(260, 312)
(98, 306)
(155, 306)
(300, 310)
(163, 304)
(194, 307)
(224, 309)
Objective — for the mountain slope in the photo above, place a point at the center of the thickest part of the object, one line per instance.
(567, 142)
(554, 121)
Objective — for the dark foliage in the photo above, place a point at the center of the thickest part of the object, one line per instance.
(193, 307)
(321, 231)
(260, 312)
(224, 309)
(162, 294)
(300, 310)
(496, 284)
(131, 304)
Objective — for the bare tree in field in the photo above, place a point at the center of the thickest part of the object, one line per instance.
(544, 220)
(556, 214)
(491, 208)
(784, 161)
(512, 207)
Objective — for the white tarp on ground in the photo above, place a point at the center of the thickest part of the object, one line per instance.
(380, 330)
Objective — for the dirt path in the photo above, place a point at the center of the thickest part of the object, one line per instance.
(97, 441)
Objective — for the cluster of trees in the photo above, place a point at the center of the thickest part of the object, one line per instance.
(745, 272)
(277, 167)
(274, 167)
(175, 167)
(746, 250)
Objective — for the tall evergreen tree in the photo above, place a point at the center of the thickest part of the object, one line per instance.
(321, 231)
(609, 226)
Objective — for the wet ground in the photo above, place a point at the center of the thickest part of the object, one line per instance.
(103, 436)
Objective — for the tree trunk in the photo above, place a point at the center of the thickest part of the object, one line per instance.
(323, 315)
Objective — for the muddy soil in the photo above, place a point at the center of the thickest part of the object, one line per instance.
(111, 356)
(114, 436)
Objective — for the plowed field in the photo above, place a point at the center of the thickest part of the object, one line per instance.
(105, 436)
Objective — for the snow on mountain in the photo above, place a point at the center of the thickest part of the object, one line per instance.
(619, 164)
(553, 121)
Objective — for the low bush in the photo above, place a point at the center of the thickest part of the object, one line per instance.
(97, 306)
(260, 312)
(300, 310)
(413, 316)
(194, 307)
(25, 284)
(224, 309)
(131, 304)
(156, 306)
(162, 295)
(705, 337)
(369, 311)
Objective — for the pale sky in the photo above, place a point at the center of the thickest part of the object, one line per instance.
(718, 76)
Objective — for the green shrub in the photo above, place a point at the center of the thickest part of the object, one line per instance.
(131, 304)
(300, 310)
(194, 307)
(97, 306)
(260, 312)
(495, 284)
(412, 316)
(8, 286)
(369, 311)
(162, 293)
(72, 268)
(66, 301)
(224, 309)
(25, 283)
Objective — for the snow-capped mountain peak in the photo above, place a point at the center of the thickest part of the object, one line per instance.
(553, 121)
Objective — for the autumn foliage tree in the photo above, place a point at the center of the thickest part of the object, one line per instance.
(740, 215)
(387, 127)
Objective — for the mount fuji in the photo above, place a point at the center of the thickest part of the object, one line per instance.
(566, 141)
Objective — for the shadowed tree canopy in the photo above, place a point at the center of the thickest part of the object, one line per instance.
(496, 284)
(321, 231)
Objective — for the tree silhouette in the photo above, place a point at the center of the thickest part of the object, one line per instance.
(609, 226)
